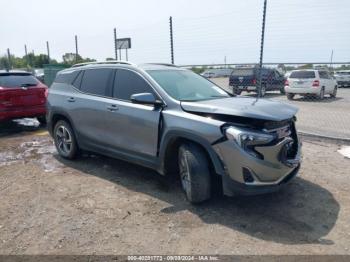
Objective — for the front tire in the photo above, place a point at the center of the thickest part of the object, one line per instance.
(65, 141)
(194, 173)
(290, 96)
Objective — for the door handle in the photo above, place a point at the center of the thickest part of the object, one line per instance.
(112, 108)
(71, 99)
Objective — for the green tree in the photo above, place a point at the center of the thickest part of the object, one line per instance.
(72, 58)
(306, 66)
(4, 62)
(198, 70)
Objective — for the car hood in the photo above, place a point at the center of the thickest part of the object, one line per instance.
(244, 107)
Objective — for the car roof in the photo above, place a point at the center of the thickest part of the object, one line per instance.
(146, 66)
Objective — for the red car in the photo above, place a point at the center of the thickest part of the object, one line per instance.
(22, 95)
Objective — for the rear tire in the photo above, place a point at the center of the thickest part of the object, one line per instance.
(194, 173)
(282, 91)
(334, 93)
(65, 141)
(263, 90)
(236, 91)
(290, 96)
(42, 120)
(321, 94)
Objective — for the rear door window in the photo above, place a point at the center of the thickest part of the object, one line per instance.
(17, 80)
(302, 74)
(323, 74)
(128, 83)
(97, 81)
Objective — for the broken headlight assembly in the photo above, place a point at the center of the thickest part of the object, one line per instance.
(248, 139)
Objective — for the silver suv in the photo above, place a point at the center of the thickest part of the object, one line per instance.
(175, 122)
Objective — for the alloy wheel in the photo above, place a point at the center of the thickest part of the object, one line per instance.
(64, 140)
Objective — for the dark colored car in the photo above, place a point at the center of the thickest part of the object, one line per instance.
(22, 95)
(176, 122)
(246, 79)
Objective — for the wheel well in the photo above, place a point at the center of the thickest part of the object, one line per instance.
(171, 158)
(56, 118)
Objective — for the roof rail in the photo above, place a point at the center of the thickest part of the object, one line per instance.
(164, 64)
(104, 62)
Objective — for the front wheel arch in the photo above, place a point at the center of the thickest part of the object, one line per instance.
(171, 143)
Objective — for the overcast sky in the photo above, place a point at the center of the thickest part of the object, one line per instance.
(205, 31)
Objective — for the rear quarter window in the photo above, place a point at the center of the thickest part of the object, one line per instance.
(17, 80)
(302, 74)
(66, 77)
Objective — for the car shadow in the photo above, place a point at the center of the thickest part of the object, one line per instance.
(19, 126)
(301, 213)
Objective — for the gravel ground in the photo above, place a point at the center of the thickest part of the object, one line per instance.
(98, 205)
(329, 117)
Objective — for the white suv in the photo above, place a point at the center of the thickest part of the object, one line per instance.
(310, 82)
(343, 78)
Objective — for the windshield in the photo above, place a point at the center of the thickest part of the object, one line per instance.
(185, 85)
(342, 73)
(302, 74)
(17, 80)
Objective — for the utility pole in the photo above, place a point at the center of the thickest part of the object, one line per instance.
(76, 49)
(48, 50)
(262, 48)
(225, 60)
(27, 58)
(331, 64)
(171, 39)
(9, 59)
(115, 44)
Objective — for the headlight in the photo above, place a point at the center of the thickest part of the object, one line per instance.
(247, 139)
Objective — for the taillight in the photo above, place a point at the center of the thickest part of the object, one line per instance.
(316, 83)
(254, 81)
(46, 92)
(286, 83)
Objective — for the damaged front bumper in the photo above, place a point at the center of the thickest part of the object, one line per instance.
(247, 175)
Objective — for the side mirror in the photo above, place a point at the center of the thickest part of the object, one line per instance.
(145, 98)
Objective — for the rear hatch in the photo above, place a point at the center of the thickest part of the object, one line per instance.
(243, 77)
(18, 90)
(301, 79)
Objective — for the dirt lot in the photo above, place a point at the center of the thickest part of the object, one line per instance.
(97, 205)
